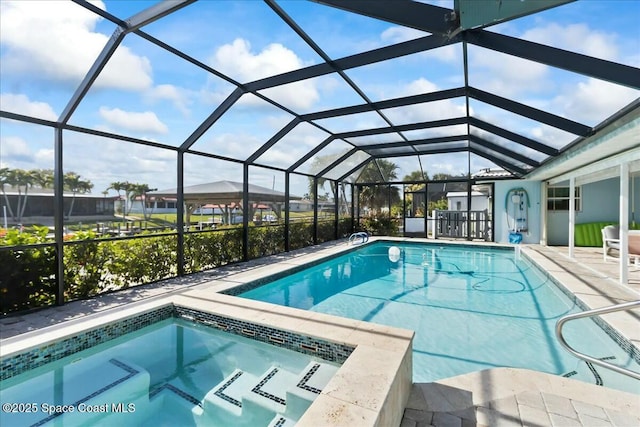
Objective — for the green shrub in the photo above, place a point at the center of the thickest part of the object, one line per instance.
(265, 241)
(379, 225)
(27, 276)
(93, 266)
(300, 234)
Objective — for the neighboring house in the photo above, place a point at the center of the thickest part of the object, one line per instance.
(303, 205)
(457, 201)
(40, 203)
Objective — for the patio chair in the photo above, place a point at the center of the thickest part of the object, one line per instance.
(610, 239)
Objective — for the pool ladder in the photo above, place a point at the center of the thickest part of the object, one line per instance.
(590, 313)
(359, 238)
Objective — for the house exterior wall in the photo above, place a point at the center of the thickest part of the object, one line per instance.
(478, 203)
(600, 202)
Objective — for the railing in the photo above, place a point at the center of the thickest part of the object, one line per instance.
(456, 224)
(591, 313)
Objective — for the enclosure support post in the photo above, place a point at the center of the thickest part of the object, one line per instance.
(336, 212)
(624, 223)
(315, 210)
(287, 200)
(58, 215)
(180, 214)
(245, 212)
(572, 215)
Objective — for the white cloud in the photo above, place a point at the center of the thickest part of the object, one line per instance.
(138, 122)
(237, 60)
(401, 34)
(15, 148)
(173, 94)
(505, 75)
(577, 38)
(449, 54)
(17, 103)
(55, 40)
(435, 110)
(592, 100)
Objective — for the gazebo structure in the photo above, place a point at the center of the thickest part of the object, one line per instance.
(227, 195)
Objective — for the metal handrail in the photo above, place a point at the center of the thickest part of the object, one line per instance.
(590, 313)
(353, 239)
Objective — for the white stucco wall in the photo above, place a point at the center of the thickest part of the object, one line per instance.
(533, 189)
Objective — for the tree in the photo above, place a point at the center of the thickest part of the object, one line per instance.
(74, 183)
(6, 179)
(20, 179)
(119, 186)
(378, 196)
(140, 190)
(43, 178)
(416, 176)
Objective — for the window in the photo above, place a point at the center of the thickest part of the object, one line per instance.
(458, 206)
(558, 199)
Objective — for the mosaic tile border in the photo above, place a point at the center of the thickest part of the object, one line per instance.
(325, 350)
(303, 382)
(220, 392)
(624, 343)
(258, 388)
(36, 357)
(17, 364)
(183, 394)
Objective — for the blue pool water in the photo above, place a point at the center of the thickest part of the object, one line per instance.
(172, 373)
(472, 308)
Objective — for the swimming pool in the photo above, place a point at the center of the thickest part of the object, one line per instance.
(472, 308)
(172, 372)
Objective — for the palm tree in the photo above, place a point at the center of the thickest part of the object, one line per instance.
(419, 182)
(377, 196)
(6, 179)
(43, 178)
(119, 186)
(418, 178)
(141, 190)
(22, 178)
(73, 183)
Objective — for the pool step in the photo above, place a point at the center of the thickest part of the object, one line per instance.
(308, 385)
(271, 389)
(230, 392)
(278, 392)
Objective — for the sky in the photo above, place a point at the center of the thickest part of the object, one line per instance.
(145, 92)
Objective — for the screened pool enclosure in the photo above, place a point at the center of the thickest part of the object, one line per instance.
(122, 120)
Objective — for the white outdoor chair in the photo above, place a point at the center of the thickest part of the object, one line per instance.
(610, 239)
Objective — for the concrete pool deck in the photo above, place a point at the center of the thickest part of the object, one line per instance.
(494, 397)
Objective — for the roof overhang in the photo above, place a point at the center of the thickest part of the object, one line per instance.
(616, 142)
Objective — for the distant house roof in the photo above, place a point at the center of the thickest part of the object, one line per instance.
(493, 173)
(48, 192)
(464, 194)
(223, 193)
